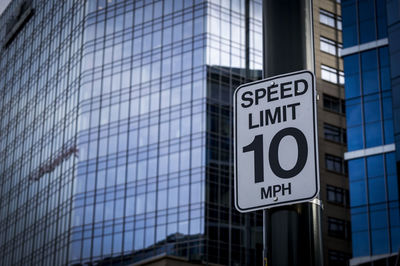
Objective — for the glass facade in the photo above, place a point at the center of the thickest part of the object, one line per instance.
(374, 182)
(393, 19)
(39, 88)
(115, 135)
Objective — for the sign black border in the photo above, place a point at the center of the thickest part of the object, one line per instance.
(282, 203)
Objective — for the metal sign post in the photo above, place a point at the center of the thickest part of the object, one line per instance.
(292, 233)
(275, 139)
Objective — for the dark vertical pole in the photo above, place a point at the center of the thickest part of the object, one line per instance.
(292, 234)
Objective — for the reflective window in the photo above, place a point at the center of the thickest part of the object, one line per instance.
(330, 19)
(360, 242)
(330, 46)
(332, 75)
(352, 74)
(369, 68)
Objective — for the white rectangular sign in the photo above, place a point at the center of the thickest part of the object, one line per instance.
(275, 138)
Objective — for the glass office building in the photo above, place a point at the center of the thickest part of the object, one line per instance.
(115, 132)
(373, 175)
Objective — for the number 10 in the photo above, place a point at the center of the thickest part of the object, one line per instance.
(257, 147)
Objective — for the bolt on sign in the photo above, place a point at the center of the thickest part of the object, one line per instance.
(275, 138)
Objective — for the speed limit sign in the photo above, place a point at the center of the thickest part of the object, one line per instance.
(275, 139)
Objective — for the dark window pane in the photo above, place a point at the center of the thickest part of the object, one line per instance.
(338, 258)
(337, 195)
(338, 228)
(336, 164)
(334, 133)
(366, 14)
(333, 104)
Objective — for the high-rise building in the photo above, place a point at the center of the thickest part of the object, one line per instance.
(371, 68)
(116, 130)
(332, 132)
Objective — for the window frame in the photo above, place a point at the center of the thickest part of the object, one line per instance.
(341, 133)
(343, 225)
(332, 100)
(337, 47)
(326, 16)
(335, 76)
(340, 195)
(335, 164)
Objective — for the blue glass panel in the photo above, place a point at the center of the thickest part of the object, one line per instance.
(380, 241)
(359, 220)
(369, 60)
(351, 66)
(370, 82)
(356, 169)
(384, 56)
(87, 244)
(384, 68)
(378, 216)
(375, 166)
(394, 213)
(395, 234)
(139, 236)
(381, 19)
(389, 134)
(349, 36)
(371, 108)
(149, 239)
(385, 78)
(395, 225)
(75, 250)
(367, 24)
(365, 9)
(376, 190)
(367, 31)
(390, 163)
(357, 193)
(387, 105)
(349, 23)
(373, 134)
(353, 112)
(360, 244)
(355, 138)
(369, 67)
(352, 86)
(393, 190)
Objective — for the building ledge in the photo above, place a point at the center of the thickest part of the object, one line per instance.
(368, 152)
(366, 259)
(365, 46)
